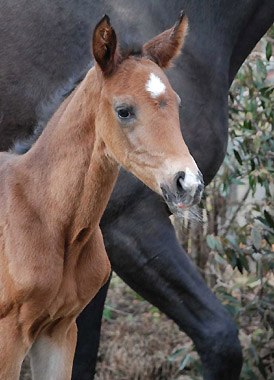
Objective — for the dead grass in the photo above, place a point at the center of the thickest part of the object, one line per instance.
(137, 340)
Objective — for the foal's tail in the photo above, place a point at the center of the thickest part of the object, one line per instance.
(45, 111)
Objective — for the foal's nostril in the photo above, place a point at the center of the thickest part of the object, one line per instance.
(185, 191)
(179, 182)
(187, 184)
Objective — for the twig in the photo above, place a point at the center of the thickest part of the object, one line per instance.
(117, 310)
(229, 224)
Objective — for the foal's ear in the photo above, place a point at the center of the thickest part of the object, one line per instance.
(104, 45)
(167, 45)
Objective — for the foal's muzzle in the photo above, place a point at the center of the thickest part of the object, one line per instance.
(185, 191)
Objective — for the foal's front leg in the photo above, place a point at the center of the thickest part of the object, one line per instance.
(12, 348)
(53, 350)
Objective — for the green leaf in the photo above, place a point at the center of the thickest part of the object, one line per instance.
(252, 163)
(268, 50)
(184, 362)
(238, 157)
(237, 181)
(107, 313)
(250, 375)
(262, 368)
(262, 220)
(239, 265)
(219, 259)
(232, 310)
(232, 299)
(232, 241)
(256, 238)
(211, 242)
(251, 182)
(257, 143)
(258, 332)
(176, 354)
(269, 219)
(244, 262)
(233, 259)
(219, 245)
(261, 68)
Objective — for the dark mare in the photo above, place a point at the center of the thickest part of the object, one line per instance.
(46, 43)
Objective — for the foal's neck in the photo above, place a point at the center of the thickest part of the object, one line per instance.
(71, 176)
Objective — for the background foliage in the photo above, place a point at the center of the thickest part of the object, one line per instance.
(234, 249)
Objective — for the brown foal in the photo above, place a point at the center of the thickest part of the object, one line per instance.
(52, 256)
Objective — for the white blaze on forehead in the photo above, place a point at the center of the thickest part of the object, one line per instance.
(155, 86)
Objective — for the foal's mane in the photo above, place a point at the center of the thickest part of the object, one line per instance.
(47, 108)
(129, 49)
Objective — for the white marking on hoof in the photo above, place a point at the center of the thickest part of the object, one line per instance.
(155, 86)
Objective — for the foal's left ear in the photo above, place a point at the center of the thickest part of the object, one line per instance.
(167, 45)
(104, 46)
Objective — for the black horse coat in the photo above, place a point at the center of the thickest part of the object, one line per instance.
(46, 43)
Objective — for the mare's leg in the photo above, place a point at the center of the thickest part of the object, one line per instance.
(145, 253)
(89, 328)
(52, 352)
(158, 269)
(12, 348)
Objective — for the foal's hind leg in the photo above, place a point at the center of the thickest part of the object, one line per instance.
(52, 353)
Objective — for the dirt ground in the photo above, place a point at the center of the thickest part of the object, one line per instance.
(137, 341)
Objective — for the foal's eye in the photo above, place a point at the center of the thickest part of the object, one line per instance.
(124, 113)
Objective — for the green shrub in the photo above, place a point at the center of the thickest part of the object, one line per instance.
(239, 212)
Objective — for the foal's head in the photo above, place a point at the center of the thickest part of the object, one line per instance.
(138, 116)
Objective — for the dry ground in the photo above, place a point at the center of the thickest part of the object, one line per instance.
(137, 341)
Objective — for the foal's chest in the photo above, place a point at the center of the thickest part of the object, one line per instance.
(85, 271)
